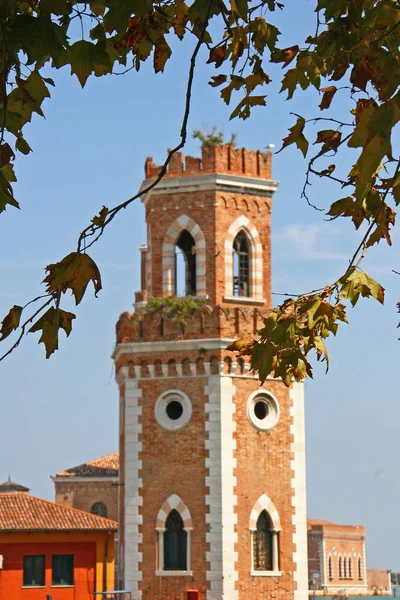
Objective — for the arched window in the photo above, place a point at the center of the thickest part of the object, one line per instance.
(359, 568)
(350, 568)
(175, 543)
(241, 277)
(345, 567)
(262, 544)
(340, 568)
(330, 567)
(185, 265)
(100, 509)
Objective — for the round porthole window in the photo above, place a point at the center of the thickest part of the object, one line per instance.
(173, 410)
(263, 410)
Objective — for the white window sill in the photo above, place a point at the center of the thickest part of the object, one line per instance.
(244, 300)
(174, 573)
(266, 573)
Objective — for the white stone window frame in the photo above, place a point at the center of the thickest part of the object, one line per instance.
(243, 223)
(168, 255)
(160, 411)
(272, 419)
(174, 502)
(265, 503)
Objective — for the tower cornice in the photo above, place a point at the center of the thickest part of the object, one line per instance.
(211, 182)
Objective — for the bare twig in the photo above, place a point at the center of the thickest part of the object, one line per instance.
(25, 324)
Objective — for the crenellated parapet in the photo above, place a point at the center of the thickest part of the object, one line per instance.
(208, 322)
(223, 159)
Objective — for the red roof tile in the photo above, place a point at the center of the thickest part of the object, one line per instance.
(105, 466)
(23, 512)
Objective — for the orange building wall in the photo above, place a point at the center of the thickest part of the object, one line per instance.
(88, 551)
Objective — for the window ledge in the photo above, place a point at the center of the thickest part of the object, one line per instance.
(266, 573)
(62, 585)
(244, 300)
(36, 587)
(174, 573)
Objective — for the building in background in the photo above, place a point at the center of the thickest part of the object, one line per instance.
(52, 551)
(91, 486)
(212, 466)
(337, 565)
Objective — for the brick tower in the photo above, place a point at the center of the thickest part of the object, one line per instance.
(212, 466)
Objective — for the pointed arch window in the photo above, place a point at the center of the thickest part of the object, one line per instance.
(340, 568)
(350, 568)
(345, 567)
(241, 272)
(359, 567)
(330, 567)
(262, 543)
(265, 546)
(175, 543)
(185, 265)
(99, 508)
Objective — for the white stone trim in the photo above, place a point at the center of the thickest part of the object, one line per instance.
(82, 479)
(243, 223)
(160, 411)
(132, 487)
(264, 503)
(211, 181)
(298, 465)
(221, 482)
(272, 417)
(183, 222)
(266, 573)
(176, 345)
(244, 300)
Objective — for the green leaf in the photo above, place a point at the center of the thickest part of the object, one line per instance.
(86, 58)
(22, 146)
(240, 7)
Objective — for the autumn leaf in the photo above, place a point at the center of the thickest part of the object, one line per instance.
(99, 219)
(6, 154)
(49, 324)
(162, 52)
(10, 322)
(297, 137)
(286, 55)
(327, 96)
(73, 272)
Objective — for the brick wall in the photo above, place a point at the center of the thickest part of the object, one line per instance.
(83, 494)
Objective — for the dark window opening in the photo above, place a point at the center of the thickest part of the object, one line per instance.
(187, 246)
(175, 543)
(241, 285)
(359, 567)
(340, 568)
(174, 410)
(330, 567)
(262, 543)
(260, 409)
(33, 570)
(100, 509)
(63, 569)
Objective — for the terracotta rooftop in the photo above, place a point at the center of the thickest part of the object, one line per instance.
(105, 466)
(23, 512)
(329, 526)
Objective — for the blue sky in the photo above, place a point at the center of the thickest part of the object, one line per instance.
(89, 151)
